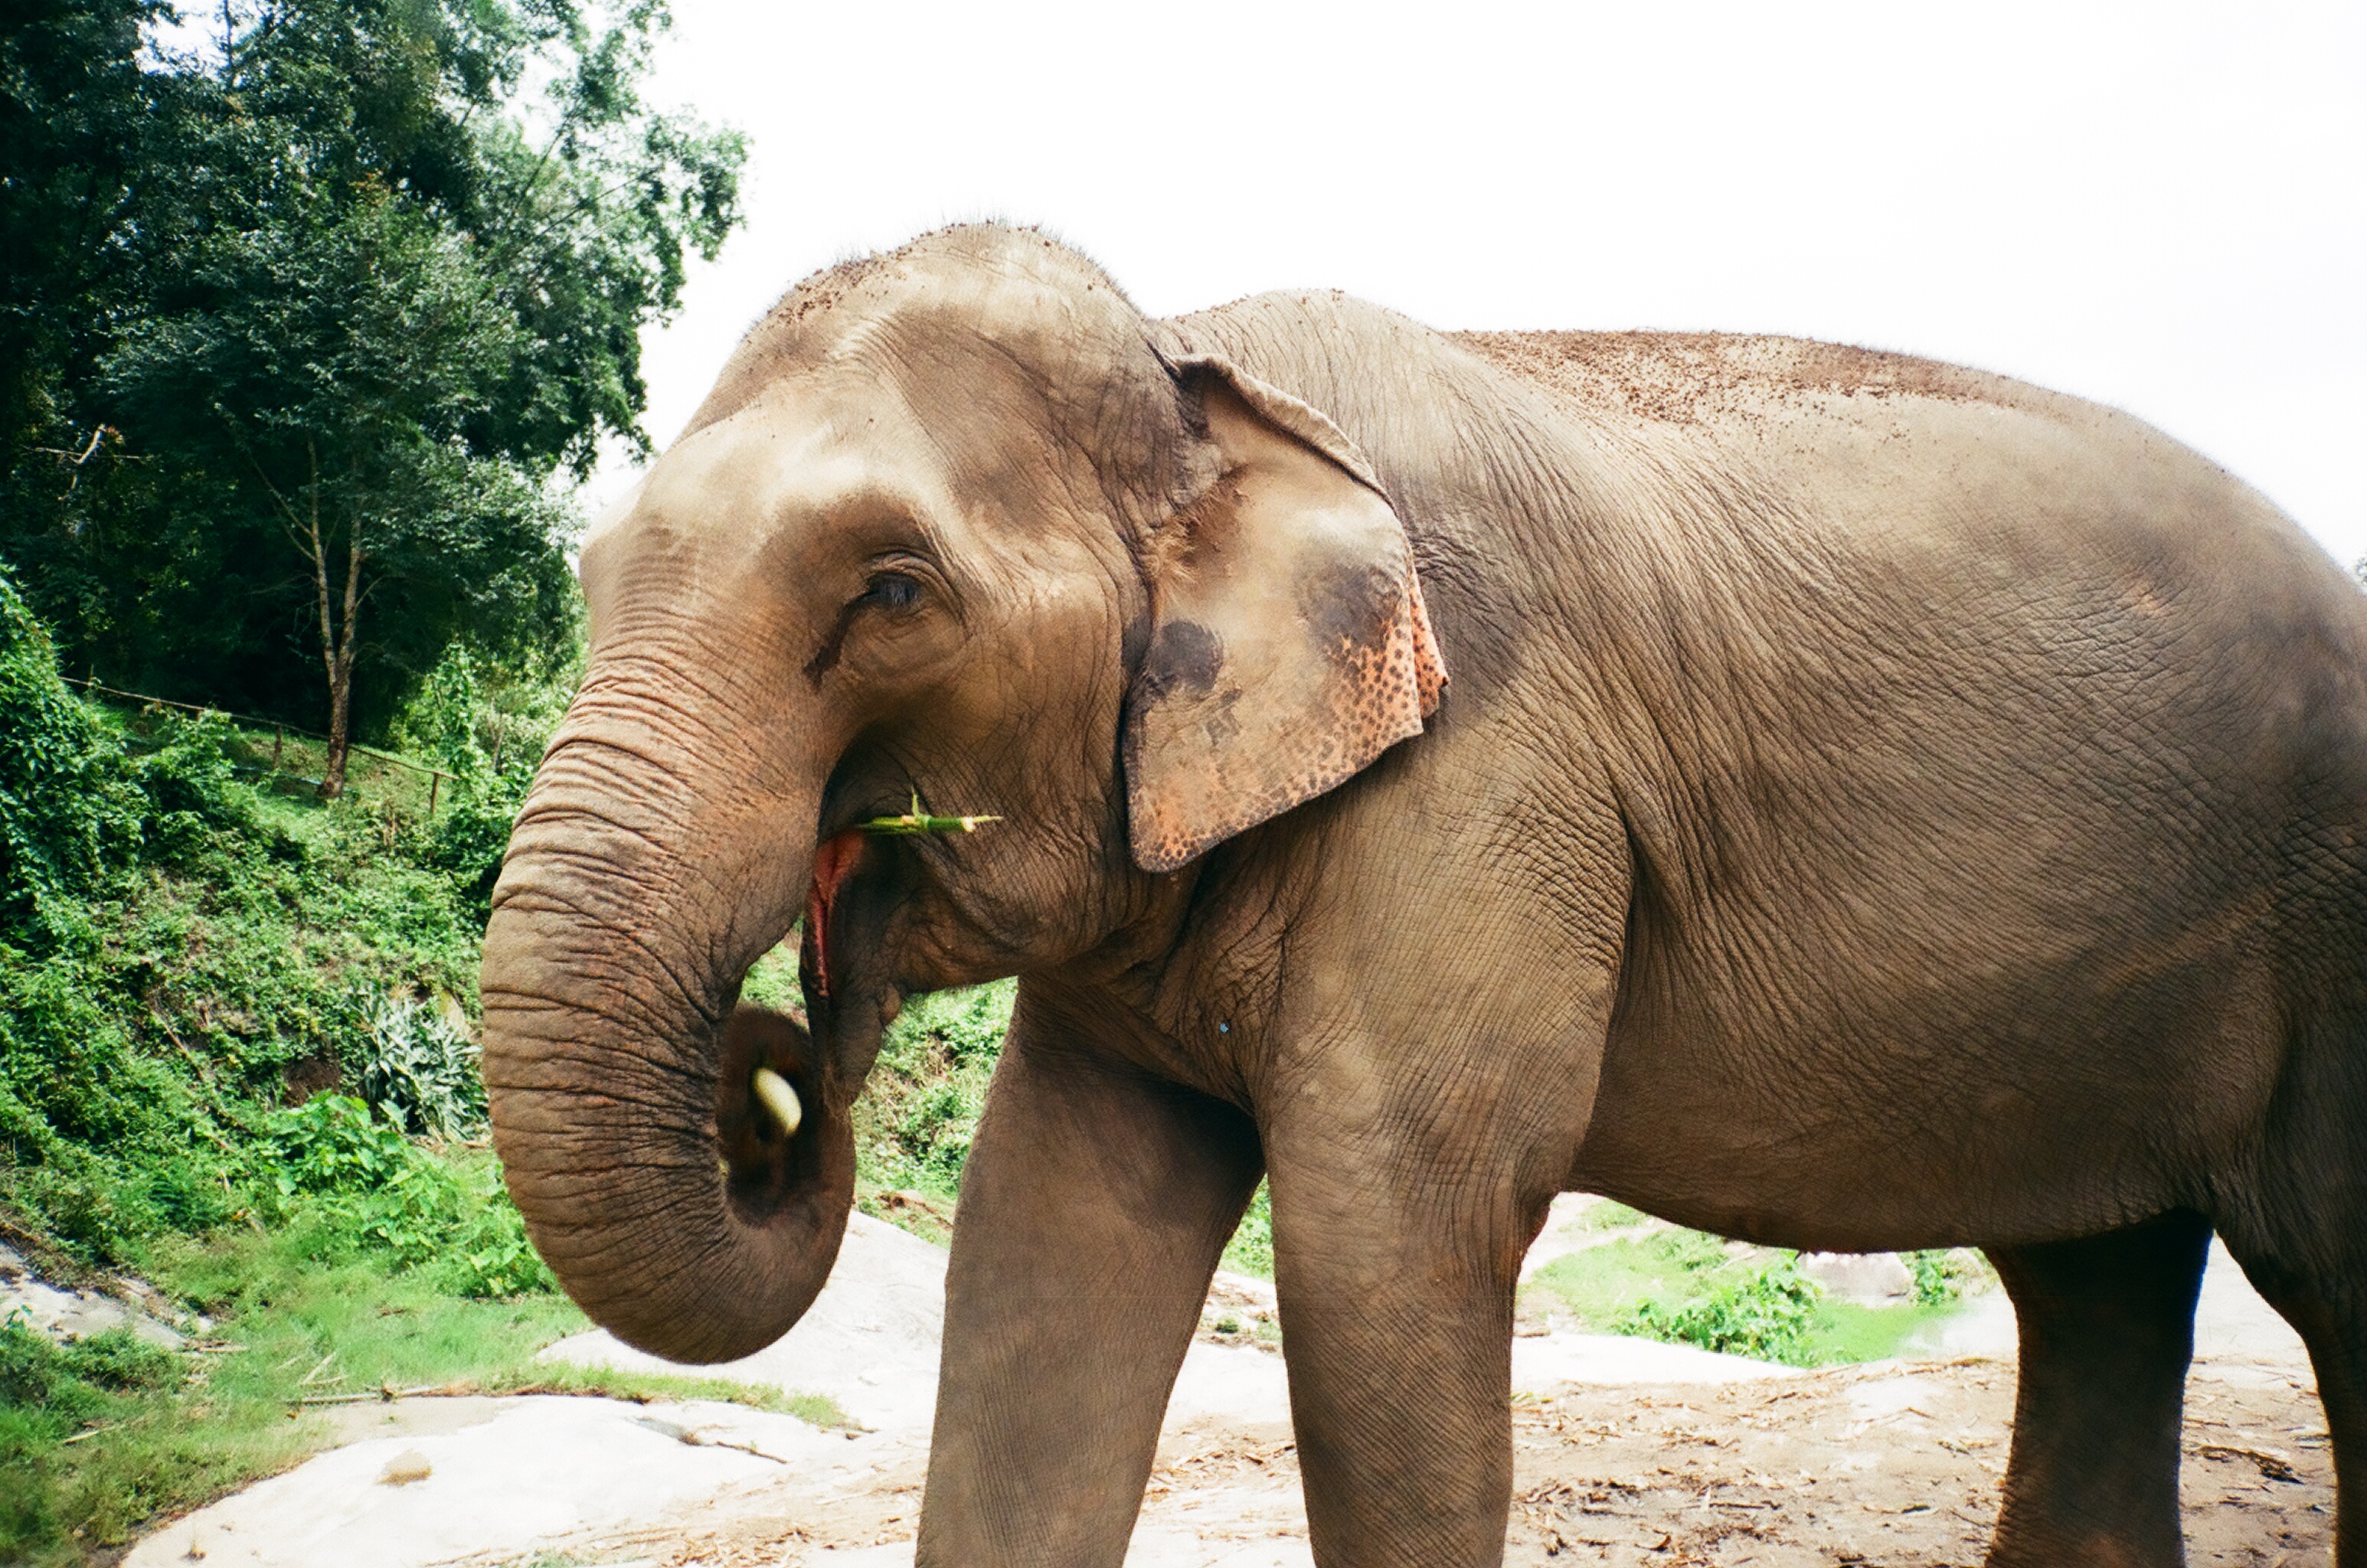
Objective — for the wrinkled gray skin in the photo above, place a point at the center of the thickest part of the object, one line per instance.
(1876, 806)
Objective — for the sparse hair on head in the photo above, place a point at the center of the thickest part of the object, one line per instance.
(776, 335)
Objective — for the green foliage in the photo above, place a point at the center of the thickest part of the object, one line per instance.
(1764, 1315)
(1251, 1249)
(78, 118)
(772, 980)
(49, 1394)
(488, 728)
(440, 726)
(177, 947)
(920, 1109)
(349, 1184)
(1665, 1282)
(1940, 1276)
(60, 1378)
(419, 1068)
(67, 801)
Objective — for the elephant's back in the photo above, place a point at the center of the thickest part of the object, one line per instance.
(1848, 463)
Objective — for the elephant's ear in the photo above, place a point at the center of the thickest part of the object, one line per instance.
(1289, 645)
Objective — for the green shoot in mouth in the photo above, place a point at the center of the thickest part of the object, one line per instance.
(919, 822)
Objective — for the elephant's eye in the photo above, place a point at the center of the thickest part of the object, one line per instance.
(892, 591)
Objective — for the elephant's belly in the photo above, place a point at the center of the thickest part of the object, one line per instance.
(1841, 1149)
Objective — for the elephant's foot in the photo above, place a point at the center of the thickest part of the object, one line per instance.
(2107, 1327)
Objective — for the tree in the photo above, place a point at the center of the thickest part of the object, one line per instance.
(384, 302)
(331, 374)
(75, 106)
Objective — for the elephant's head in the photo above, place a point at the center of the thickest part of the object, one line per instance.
(952, 525)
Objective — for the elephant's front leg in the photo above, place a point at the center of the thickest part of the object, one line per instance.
(1395, 1269)
(1094, 1204)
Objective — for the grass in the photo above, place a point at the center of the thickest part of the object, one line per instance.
(1847, 1332)
(86, 1462)
(1685, 1286)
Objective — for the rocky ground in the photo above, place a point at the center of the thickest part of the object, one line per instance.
(1628, 1453)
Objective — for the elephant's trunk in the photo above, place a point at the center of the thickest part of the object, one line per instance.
(637, 889)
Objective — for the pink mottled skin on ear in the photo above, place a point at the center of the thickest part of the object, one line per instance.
(1429, 664)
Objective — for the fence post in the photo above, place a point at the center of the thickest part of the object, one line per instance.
(279, 739)
(435, 782)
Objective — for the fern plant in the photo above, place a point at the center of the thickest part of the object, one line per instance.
(420, 1070)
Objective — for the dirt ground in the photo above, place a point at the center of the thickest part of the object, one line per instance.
(1894, 1465)
(1628, 1453)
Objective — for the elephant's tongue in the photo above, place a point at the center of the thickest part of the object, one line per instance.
(832, 863)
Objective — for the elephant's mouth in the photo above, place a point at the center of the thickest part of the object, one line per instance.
(834, 862)
(847, 959)
(776, 1155)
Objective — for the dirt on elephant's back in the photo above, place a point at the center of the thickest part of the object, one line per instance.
(1895, 1464)
(1684, 378)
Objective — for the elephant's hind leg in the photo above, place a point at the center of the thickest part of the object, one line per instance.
(2107, 1328)
(2331, 1319)
(2296, 1220)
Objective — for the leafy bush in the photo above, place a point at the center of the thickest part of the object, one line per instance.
(919, 1111)
(1764, 1315)
(69, 805)
(351, 1184)
(1940, 1275)
(489, 735)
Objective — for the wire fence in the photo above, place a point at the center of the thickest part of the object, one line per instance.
(280, 731)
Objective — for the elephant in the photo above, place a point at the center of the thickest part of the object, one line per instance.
(1829, 798)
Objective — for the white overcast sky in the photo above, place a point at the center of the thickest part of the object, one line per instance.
(2162, 207)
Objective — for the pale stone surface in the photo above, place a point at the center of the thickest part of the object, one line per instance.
(1874, 1278)
(70, 1315)
(542, 1470)
(2232, 1324)
(1544, 1362)
(869, 1341)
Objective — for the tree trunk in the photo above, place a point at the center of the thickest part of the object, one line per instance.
(340, 674)
(337, 640)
